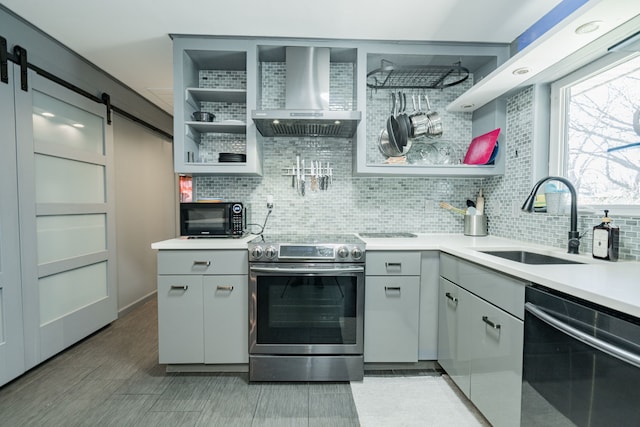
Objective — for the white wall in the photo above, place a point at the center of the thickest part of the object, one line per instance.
(146, 194)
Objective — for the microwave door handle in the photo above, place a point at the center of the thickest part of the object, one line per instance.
(596, 343)
(307, 270)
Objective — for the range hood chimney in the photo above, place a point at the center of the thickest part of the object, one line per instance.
(306, 110)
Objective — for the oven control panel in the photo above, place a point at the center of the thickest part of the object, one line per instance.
(316, 252)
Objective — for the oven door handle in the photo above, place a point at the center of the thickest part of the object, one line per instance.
(591, 341)
(306, 270)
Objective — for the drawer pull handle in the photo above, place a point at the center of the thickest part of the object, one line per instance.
(392, 288)
(451, 297)
(204, 263)
(224, 288)
(393, 265)
(486, 320)
(179, 287)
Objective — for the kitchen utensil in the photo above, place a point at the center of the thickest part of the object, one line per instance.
(445, 205)
(202, 116)
(298, 173)
(494, 154)
(393, 129)
(423, 153)
(435, 121)
(232, 158)
(404, 122)
(481, 148)
(480, 203)
(419, 120)
(385, 145)
(302, 180)
(400, 132)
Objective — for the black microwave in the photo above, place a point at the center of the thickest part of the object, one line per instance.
(222, 219)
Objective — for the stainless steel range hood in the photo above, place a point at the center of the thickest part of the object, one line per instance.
(306, 110)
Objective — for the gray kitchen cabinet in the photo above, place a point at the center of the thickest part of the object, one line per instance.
(453, 348)
(180, 319)
(495, 341)
(429, 278)
(203, 307)
(391, 318)
(392, 307)
(219, 76)
(480, 336)
(226, 319)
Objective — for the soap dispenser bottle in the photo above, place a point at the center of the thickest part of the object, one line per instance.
(606, 239)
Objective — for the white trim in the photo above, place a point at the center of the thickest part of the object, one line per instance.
(558, 108)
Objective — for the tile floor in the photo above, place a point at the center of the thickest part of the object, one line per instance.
(112, 378)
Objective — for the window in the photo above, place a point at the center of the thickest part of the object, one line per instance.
(595, 141)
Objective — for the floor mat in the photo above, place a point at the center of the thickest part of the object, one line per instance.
(411, 401)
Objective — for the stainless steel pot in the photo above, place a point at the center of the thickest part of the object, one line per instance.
(419, 120)
(435, 121)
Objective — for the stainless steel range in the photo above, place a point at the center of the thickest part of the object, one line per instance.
(306, 308)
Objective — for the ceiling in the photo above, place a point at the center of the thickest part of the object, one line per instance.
(129, 39)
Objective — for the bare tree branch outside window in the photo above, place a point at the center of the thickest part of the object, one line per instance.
(600, 121)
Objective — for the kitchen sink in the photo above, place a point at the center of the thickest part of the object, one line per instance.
(526, 257)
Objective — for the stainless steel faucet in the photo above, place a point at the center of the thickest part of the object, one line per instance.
(574, 236)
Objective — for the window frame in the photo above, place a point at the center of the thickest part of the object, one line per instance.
(557, 125)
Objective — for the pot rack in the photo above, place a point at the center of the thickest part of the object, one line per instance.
(390, 76)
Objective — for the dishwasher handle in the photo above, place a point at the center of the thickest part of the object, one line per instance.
(591, 341)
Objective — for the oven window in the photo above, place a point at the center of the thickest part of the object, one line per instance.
(306, 309)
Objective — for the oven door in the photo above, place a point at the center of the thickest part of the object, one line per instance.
(306, 309)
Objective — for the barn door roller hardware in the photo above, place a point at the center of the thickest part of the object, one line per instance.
(4, 57)
(21, 57)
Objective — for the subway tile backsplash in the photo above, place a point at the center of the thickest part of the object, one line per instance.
(375, 204)
(505, 195)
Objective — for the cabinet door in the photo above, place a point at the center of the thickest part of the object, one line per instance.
(226, 319)
(429, 283)
(180, 319)
(453, 336)
(391, 318)
(496, 375)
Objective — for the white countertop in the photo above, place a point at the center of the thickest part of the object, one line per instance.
(204, 243)
(612, 284)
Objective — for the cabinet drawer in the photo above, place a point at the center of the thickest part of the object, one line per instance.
(504, 291)
(392, 263)
(391, 319)
(203, 262)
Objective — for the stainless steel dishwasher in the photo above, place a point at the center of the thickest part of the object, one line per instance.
(581, 363)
